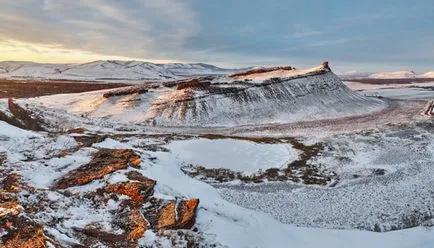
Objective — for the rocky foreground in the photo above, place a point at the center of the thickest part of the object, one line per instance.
(137, 209)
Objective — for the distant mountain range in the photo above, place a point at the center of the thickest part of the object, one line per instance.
(385, 75)
(108, 70)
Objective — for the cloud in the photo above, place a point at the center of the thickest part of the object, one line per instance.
(136, 28)
(52, 53)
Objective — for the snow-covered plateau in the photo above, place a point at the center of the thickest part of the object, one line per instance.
(265, 158)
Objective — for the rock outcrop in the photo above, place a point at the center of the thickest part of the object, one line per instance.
(104, 162)
(21, 117)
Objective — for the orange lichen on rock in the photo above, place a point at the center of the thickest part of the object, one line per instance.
(138, 225)
(22, 233)
(11, 208)
(10, 183)
(177, 216)
(135, 162)
(186, 213)
(137, 191)
(167, 218)
(104, 162)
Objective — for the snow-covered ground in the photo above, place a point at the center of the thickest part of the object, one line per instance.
(225, 224)
(236, 155)
(385, 176)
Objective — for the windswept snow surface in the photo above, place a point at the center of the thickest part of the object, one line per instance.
(9, 131)
(385, 176)
(228, 225)
(235, 226)
(236, 155)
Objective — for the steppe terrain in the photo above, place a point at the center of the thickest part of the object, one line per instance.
(258, 158)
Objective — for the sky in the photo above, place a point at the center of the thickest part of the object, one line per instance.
(351, 35)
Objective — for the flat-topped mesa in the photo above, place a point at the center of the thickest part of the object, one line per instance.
(260, 96)
(276, 95)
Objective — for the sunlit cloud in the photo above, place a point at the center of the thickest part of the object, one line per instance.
(139, 28)
(12, 50)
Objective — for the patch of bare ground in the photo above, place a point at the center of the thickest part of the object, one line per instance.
(34, 88)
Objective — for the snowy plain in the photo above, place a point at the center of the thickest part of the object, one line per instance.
(219, 221)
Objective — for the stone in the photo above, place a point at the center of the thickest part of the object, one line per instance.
(137, 191)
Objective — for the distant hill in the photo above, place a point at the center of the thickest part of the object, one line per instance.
(394, 75)
(429, 74)
(108, 70)
(385, 75)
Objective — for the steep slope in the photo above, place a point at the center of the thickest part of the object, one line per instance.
(108, 70)
(257, 98)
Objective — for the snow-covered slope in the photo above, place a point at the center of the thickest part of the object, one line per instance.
(223, 101)
(107, 70)
(394, 75)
